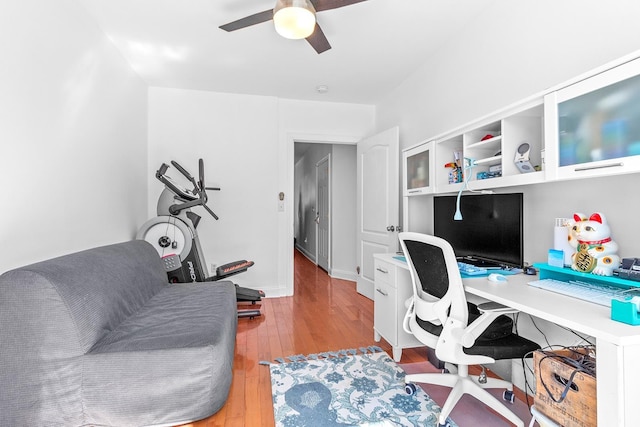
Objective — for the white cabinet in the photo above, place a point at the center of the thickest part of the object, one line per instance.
(418, 170)
(501, 150)
(587, 127)
(593, 126)
(393, 287)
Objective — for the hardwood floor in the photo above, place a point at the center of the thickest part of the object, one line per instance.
(324, 314)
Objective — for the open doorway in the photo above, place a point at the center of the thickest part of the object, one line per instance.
(334, 194)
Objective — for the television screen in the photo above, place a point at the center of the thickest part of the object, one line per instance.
(490, 233)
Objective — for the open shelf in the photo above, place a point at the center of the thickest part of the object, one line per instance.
(496, 139)
(494, 160)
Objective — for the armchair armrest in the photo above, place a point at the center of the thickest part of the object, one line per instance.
(490, 311)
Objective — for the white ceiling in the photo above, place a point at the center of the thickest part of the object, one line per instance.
(376, 44)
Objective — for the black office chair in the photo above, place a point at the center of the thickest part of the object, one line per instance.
(439, 316)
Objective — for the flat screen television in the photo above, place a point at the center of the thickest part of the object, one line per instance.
(490, 233)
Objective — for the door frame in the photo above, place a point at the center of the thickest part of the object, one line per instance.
(326, 159)
(286, 222)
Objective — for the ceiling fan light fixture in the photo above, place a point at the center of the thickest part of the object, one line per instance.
(294, 19)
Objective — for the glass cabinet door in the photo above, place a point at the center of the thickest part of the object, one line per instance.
(418, 170)
(598, 124)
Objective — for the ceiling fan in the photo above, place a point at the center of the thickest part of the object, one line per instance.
(294, 19)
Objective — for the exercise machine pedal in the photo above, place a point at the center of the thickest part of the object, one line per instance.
(249, 313)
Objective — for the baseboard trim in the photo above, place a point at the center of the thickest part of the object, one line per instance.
(306, 253)
(333, 272)
(343, 275)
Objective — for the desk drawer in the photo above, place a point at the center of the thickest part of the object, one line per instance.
(384, 273)
(385, 312)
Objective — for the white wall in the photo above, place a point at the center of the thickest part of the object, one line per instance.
(512, 51)
(515, 50)
(72, 134)
(235, 135)
(247, 146)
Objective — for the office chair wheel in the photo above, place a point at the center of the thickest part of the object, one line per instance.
(508, 396)
(410, 389)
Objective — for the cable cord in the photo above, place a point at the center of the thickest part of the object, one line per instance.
(540, 330)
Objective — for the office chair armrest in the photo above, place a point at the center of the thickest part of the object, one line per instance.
(495, 308)
(408, 315)
(490, 311)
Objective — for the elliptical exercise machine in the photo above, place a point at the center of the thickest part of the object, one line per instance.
(173, 234)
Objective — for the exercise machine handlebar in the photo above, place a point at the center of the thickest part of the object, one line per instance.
(189, 198)
(184, 172)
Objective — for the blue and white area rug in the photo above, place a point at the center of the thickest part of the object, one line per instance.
(347, 388)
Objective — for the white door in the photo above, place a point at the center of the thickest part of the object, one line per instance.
(378, 203)
(323, 239)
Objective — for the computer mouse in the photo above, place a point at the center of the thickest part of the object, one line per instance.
(495, 277)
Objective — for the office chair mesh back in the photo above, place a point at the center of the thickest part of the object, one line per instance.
(430, 267)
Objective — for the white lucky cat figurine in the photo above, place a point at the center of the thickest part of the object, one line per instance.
(595, 251)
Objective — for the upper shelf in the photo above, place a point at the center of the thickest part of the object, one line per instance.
(486, 142)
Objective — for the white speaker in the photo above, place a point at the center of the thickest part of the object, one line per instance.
(522, 158)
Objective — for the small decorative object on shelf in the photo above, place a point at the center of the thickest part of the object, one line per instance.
(596, 252)
(522, 158)
(455, 174)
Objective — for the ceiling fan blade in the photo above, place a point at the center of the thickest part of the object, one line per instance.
(248, 21)
(321, 5)
(318, 40)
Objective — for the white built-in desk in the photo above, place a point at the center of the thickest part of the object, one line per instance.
(618, 344)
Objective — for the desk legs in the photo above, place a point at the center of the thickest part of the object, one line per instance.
(617, 380)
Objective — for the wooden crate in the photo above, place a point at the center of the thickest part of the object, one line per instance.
(578, 409)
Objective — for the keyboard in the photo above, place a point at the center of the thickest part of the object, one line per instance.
(598, 294)
(470, 269)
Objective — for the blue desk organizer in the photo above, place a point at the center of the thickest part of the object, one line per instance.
(621, 311)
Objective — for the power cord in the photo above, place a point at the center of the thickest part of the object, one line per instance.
(540, 330)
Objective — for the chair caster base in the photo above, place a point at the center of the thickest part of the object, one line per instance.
(509, 396)
(410, 389)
